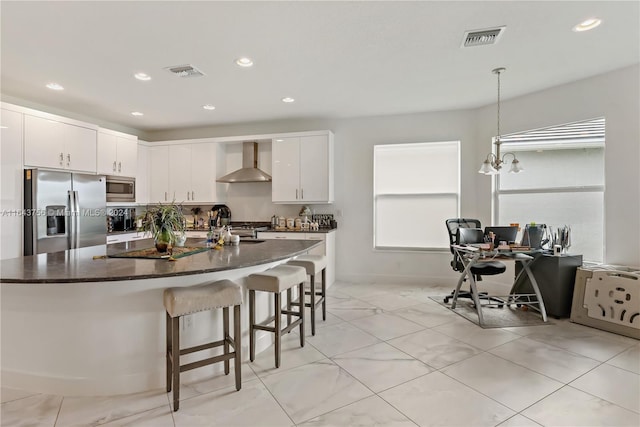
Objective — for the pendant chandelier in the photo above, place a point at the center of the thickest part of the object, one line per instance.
(493, 162)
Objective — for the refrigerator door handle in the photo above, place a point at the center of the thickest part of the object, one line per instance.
(74, 220)
(71, 232)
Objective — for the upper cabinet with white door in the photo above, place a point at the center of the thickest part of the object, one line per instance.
(117, 153)
(192, 172)
(142, 173)
(56, 142)
(158, 173)
(302, 168)
(185, 172)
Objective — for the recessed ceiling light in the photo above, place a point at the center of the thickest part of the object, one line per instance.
(209, 107)
(142, 76)
(287, 99)
(137, 113)
(587, 25)
(54, 86)
(244, 62)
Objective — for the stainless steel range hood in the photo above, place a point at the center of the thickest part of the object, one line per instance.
(249, 171)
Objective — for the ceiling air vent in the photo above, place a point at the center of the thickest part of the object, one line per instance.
(482, 37)
(185, 71)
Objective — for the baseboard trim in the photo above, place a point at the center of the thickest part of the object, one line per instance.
(395, 278)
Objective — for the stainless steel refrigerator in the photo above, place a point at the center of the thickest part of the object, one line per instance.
(63, 210)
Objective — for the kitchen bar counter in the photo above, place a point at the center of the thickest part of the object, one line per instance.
(75, 326)
(78, 265)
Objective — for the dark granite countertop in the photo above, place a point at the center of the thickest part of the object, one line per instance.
(78, 265)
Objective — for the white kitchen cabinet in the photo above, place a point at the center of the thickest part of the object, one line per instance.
(142, 174)
(205, 164)
(159, 174)
(328, 248)
(11, 180)
(302, 169)
(127, 237)
(55, 144)
(195, 234)
(180, 172)
(185, 173)
(117, 153)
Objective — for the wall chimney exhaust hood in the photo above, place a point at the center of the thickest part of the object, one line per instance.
(249, 171)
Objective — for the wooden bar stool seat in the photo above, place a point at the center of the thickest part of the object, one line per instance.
(314, 264)
(275, 280)
(179, 302)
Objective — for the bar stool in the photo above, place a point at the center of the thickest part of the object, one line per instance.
(275, 280)
(314, 264)
(187, 300)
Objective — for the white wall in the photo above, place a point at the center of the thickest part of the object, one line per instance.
(355, 139)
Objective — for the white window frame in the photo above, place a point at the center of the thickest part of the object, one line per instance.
(511, 138)
(426, 195)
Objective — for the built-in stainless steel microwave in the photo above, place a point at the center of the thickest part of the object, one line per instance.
(121, 189)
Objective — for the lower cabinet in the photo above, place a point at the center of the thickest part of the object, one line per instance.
(126, 237)
(196, 234)
(328, 248)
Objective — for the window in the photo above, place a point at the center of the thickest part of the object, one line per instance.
(563, 183)
(416, 187)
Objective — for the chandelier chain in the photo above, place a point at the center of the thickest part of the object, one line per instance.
(498, 137)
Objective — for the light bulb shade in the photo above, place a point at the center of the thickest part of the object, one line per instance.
(515, 166)
(487, 168)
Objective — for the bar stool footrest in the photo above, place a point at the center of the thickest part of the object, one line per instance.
(319, 302)
(205, 362)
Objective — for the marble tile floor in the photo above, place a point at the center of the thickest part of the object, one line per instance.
(389, 356)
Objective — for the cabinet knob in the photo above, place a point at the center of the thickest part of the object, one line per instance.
(61, 159)
(302, 193)
(114, 165)
(296, 194)
(68, 159)
(188, 196)
(193, 195)
(119, 166)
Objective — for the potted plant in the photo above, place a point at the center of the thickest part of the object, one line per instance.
(164, 222)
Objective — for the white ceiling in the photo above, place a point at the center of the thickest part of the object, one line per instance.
(337, 59)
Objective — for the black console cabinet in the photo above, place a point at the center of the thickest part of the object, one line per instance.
(556, 277)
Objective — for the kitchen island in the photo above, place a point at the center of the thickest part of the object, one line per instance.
(75, 325)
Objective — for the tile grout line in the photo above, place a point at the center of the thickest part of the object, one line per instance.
(540, 373)
(58, 414)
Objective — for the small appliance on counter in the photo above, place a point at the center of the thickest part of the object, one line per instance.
(248, 229)
(122, 219)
